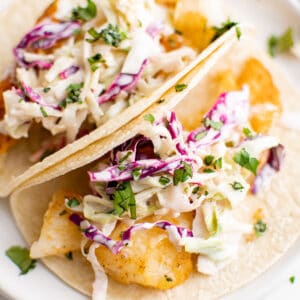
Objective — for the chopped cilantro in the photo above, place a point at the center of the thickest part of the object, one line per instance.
(93, 60)
(180, 87)
(208, 170)
(85, 13)
(247, 132)
(20, 257)
(73, 202)
(136, 173)
(208, 159)
(150, 118)
(121, 167)
(216, 125)
(43, 111)
(237, 186)
(163, 180)
(46, 89)
(69, 255)
(281, 43)
(111, 35)
(124, 198)
(73, 94)
(292, 279)
(260, 227)
(238, 32)
(182, 174)
(196, 190)
(225, 26)
(218, 163)
(244, 160)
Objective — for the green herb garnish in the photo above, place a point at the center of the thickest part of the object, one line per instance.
(292, 279)
(69, 255)
(43, 111)
(244, 160)
(180, 87)
(216, 125)
(218, 163)
(46, 89)
(196, 190)
(73, 202)
(163, 180)
(136, 173)
(237, 186)
(281, 43)
(20, 257)
(85, 13)
(208, 170)
(93, 60)
(208, 159)
(73, 94)
(247, 132)
(124, 199)
(182, 174)
(238, 32)
(150, 118)
(111, 35)
(260, 227)
(225, 26)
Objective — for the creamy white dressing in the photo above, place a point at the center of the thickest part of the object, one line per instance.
(135, 18)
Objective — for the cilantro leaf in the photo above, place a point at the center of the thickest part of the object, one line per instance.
(136, 173)
(43, 112)
(85, 13)
(260, 227)
(244, 160)
(208, 159)
(163, 180)
(111, 35)
(73, 202)
(292, 279)
(225, 26)
(237, 186)
(73, 94)
(281, 43)
(20, 257)
(180, 87)
(150, 118)
(123, 199)
(218, 163)
(247, 132)
(46, 89)
(182, 174)
(93, 60)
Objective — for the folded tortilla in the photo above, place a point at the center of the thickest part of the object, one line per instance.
(18, 168)
(280, 204)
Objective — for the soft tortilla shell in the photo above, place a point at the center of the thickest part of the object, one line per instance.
(280, 205)
(17, 166)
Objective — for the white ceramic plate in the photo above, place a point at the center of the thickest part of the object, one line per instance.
(269, 17)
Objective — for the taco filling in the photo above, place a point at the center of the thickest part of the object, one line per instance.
(84, 63)
(164, 203)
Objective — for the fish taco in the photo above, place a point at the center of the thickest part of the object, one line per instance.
(191, 199)
(86, 68)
